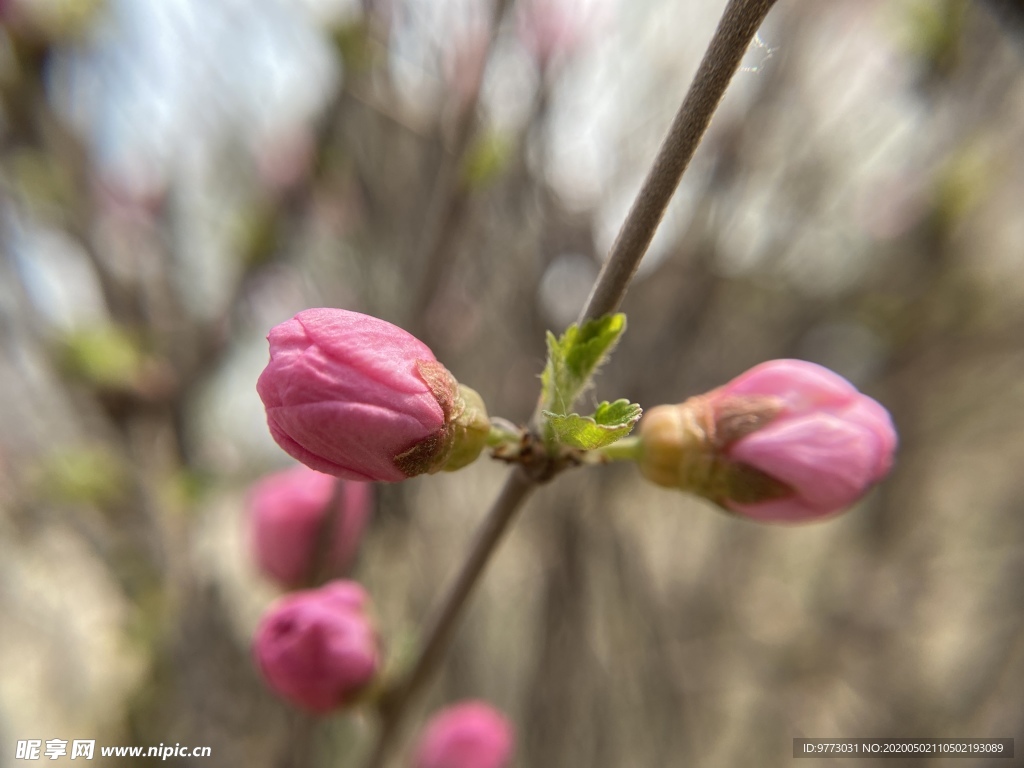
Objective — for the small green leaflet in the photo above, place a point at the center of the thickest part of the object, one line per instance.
(573, 358)
(610, 422)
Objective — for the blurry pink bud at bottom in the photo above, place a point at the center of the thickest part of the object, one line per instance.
(786, 441)
(468, 735)
(317, 648)
(289, 513)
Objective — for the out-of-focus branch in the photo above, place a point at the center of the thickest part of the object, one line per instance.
(439, 631)
(735, 31)
(450, 193)
(1012, 13)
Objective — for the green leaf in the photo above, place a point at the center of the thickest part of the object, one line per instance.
(573, 358)
(620, 413)
(610, 422)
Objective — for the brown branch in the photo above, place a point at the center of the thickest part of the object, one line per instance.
(395, 704)
(736, 29)
(450, 194)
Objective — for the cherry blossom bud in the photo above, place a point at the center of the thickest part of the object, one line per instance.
(468, 735)
(786, 441)
(303, 523)
(359, 398)
(317, 648)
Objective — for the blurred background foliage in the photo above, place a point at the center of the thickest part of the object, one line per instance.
(178, 177)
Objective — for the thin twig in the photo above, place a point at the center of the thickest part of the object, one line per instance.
(439, 631)
(736, 29)
(323, 564)
(450, 193)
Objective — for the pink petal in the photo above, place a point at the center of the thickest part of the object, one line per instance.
(803, 386)
(828, 461)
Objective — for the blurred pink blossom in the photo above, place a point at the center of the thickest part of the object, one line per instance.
(468, 735)
(287, 516)
(318, 648)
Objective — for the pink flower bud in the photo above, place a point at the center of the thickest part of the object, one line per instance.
(288, 518)
(468, 735)
(359, 398)
(317, 648)
(786, 441)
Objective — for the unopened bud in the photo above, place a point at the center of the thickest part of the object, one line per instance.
(786, 441)
(299, 515)
(359, 398)
(318, 648)
(468, 735)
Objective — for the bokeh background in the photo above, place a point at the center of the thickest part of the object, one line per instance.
(176, 177)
